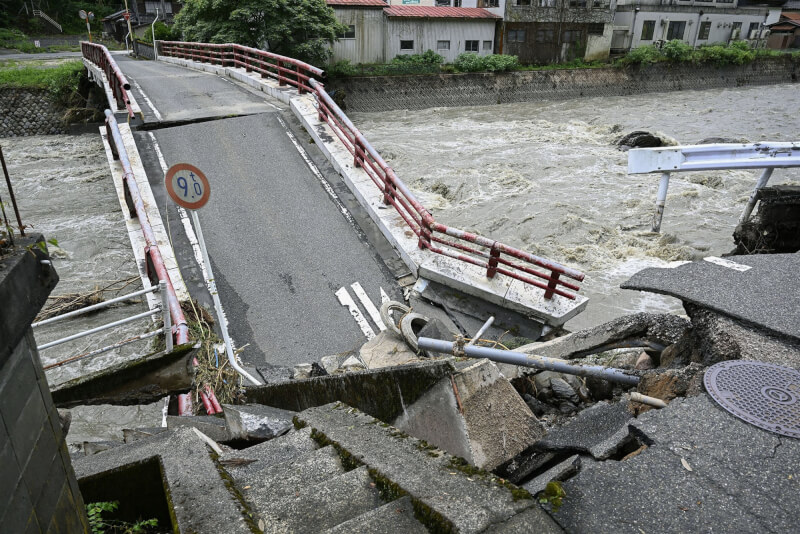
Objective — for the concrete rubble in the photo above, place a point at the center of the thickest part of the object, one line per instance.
(255, 422)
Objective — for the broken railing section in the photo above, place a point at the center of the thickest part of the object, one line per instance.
(767, 156)
(13, 202)
(492, 256)
(99, 55)
(286, 70)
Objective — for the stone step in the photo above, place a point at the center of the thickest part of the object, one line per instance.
(288, 479)
(322, 506)
(396, 516)
(276, 451)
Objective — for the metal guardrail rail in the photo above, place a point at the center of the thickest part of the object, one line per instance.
(100, 56)
(48, 18)
(493, 256)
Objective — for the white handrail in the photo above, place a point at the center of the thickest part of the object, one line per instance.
(45, 16)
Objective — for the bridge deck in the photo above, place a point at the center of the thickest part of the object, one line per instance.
(279, 245)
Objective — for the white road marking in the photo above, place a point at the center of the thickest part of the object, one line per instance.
(149, 102)
(368, 305)
(384, 296)
(190, 235)
(346, 300)
(325, 185)
(728, 263)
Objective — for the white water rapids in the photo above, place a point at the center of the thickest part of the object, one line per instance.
(545, 177)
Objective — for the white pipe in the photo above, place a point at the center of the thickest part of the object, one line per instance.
(483, 329)
(162, 288)
(650, 401)
(94, 307)
(99, 329)
(153, 32)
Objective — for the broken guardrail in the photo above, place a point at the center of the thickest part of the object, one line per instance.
(493, 256)
(767, 156)
(528, 360)
(100, 56)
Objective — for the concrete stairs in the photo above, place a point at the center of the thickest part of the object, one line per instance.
(292, 484)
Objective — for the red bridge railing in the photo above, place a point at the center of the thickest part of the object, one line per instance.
(286, 70)
(99, 55)
(493, 256)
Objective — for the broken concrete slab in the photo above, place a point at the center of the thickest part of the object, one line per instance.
(561, 471)
(129, 435)
(742, 478)
(662, 329)
(140, 380)
(301, 370)
(381, 392)
(475, 414)
(274, 373)
(246, 462)
(352, 364)
(461, 500)
(761, 290)
(212, 426)
(391, 518)
(256, 422)
(667, 384)
(387, 349)
(600, 430)
(198, 495)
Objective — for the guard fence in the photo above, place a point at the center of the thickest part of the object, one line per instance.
(100, 56)
(492, 256)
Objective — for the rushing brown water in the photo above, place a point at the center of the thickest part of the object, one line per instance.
(545, 177)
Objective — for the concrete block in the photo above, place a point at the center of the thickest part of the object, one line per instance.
(256, 422)
(396, 516)
(475, 414)
(213, 427)
(301, 370)
(352, 364)
(560, 471)
(387, 349)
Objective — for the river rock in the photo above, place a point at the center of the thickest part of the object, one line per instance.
(644, 362)
(640, 139)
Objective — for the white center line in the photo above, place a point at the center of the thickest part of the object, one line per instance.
(149, 102)
(368, 305)
(346, 300)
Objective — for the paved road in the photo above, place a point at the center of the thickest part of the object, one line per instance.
(280, 246)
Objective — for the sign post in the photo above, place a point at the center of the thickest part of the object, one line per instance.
(188, 187)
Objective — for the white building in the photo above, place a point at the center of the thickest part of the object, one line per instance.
(696, 22)
(378, 32)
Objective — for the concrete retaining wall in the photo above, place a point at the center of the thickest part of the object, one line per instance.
(476, 89)
(29, 112)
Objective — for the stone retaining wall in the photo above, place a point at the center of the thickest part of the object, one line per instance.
(452, 90)
(29, 112)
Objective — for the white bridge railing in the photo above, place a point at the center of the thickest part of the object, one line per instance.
(166, 331)
(45, 16)
(767, 156)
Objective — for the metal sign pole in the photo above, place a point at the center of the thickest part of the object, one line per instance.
(212, 287)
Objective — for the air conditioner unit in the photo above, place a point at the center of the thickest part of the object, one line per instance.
(764, 33)
(736, 33)
(753, 35)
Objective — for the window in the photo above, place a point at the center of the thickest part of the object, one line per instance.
(491, 3)
(596, 28)
(471, 46)
(705, 29)
(150, 7)
(487, 46)
(753, 28)
(442, 45)
(544, 36)
(572, 36)
(736, 30)
(577, 3)
(676, 29)
(523, 2)
(516, 36)
(648, 28)
(406, 45)
(350, 32)
(442, 3)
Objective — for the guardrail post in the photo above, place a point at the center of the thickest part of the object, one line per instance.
(389, 188)
(494, 255)
(551, 285)
(425, 232)
(247, 67)
(111, 143)
(281, 77)
(356, 150)
(300, 83)
(162, 292)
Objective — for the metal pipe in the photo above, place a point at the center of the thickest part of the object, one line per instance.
(93, 307)
(162, 289)
(751, 203)
(650, 401)
(480, 332)
(11, 193)
(153, 32)
(661, 199)
(85, 333)
(185, 406)
(104, 349)
(528, 360)
(212, 288)
(182, 330)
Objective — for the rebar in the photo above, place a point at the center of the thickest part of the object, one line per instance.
(11, 194)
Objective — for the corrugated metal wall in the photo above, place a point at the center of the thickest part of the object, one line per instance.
(367, 46)
(426, 33)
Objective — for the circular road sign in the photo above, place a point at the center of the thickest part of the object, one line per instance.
(82, 14)
(187, 186)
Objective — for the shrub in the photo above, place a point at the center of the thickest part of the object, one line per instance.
(429, 57)
(163, 33)
(643, 55)
(676, 50)
(342, 68)
(469, 62)
(500, 63)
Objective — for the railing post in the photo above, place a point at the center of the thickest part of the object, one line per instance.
(494, 255)
(247, 66)
(356, 155)
(425, 232)
(300, 83)
(162, 291)
(111, 143)
(281, 77)
(551, 285)
(389, 188)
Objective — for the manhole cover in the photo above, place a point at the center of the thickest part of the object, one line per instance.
(762, 394)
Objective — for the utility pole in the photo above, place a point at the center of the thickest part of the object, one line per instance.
(130, 30)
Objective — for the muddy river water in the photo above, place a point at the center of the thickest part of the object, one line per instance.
(542, 176)
(545, 177)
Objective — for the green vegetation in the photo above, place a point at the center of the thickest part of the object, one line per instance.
(553, 495)
(61, 80)
(302, 29)
(472, 62)
(428, 62)
(65, 12)
(737, 53)
(100, 525)
(163, 33)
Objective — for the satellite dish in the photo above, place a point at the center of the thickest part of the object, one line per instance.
(82, 14)
(91, 15)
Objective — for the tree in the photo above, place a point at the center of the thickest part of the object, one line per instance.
(302, 29)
